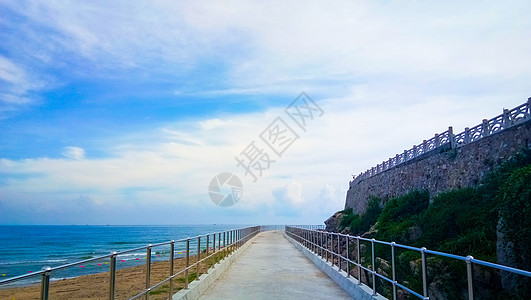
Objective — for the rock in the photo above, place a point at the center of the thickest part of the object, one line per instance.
(384, 265)
(436, 290)
(332, 223)
(371, 233)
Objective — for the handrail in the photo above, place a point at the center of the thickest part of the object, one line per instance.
(448, 139)
(318, 241)
(231, 240)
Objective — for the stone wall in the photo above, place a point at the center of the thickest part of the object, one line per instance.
(441, 169)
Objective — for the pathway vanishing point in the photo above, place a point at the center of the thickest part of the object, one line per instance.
(271, 268)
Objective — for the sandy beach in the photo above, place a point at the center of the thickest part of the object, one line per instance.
(129, 282)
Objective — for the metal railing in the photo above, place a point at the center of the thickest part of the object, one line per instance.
(223, 242)
(331, 245)
(448, 139)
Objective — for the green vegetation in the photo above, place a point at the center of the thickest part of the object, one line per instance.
(400, 214)
(461, 221)
(362, 223)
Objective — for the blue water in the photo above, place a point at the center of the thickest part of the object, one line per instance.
(26, 249)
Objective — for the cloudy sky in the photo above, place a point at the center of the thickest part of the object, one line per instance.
(122, 112)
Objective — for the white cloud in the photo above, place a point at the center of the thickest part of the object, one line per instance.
(277, 44)
(74, 153)
(387, 75)
(16, 84)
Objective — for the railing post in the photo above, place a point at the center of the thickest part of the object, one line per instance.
(348, 255)
(314, 238)
(451, 137)
(45, 283)
(198, 256)
(339, 251)
(326, 245)
(393, 268)
(359, 259)
(112, 275)
(187, 263)
(467, 135)
(506, 119)
(148, 270)
(405, 156)
(470, 277)
(424, 147)
(373, 269)
(219, 241)
(424, 273)
(437, 140)
(321, 244)
(485, 128)
(172, 257)
(414, 151)
(214, 243)
(224, 245)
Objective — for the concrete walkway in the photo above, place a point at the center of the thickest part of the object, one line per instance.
(271, 268)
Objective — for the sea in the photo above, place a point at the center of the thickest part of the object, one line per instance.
(27, 249)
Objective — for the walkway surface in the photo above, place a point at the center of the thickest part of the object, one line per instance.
(271, 268)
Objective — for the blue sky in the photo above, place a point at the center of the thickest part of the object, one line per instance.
(122, 113)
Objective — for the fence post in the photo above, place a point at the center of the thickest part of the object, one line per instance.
(321, 244)
(470, 277)
(224, 245)
(112, 274)
(424, 272)
(359, 259)
(187, 263)
(148, 270)
(451, 137)
(485, 128)
(172, 250)
(45, 283)
(326, 245)
(206, 248)
(393, 268)
(414, 151)
(198, 256)
(506, 119)
(339, 251)
(348, 255)
(467, 135)
(437, 140)
(373, 269)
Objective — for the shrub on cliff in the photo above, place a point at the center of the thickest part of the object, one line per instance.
(400, 214)
(461, 222)
(515, 211)
(360, 224)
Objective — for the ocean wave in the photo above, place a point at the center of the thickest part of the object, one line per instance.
(20, 262)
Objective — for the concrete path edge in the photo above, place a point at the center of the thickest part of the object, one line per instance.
(349, 284)
(199, 287)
